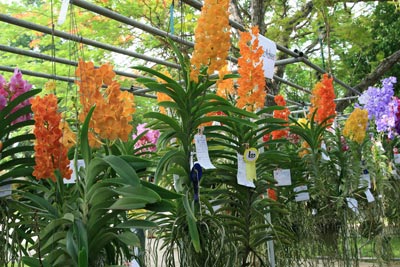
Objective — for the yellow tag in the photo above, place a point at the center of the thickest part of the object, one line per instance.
(250, 156)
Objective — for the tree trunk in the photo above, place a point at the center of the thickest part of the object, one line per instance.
(371, 79)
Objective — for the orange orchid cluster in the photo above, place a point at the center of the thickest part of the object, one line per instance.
(50, 153)
(322, 99)
(251, 93)
(212, 37)
(225, 88)
(280, 114)
(114, 108)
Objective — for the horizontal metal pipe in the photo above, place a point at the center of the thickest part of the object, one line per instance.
(322, 71)
(292, 84)
(80, 39)
(346, 98)
(33, 54)
(118, 17)
(135, 90)
(287, 100)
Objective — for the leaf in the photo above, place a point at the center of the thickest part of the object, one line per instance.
(123, 169)
(129, 203)
(165, 119)
(71, 246)
(31, 262)
(172, 156)
(85, 148)
(137, 224)
(83, 258)
(15, 102)
(43, 203)
(20, 171)
(162, 192)
(139, 191)
(129, 238)
(161, 206)
(181, 59)
(137, 163)
(95, 167)
(194, 233)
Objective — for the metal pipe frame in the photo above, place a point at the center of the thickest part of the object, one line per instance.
(135, 90)
(288, 100)
(125, 74)
(80, 39)
(33, 54)
(149, 29)
(281, 48)
(322, 71)
(118, 17)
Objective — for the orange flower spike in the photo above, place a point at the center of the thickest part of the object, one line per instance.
(50, 153)
(110, 103)
(68, 138)
(212, 36)
(225, 87)
(281, 114)
(251, 93)
(323, 100)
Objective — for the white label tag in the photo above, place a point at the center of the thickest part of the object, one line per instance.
(63, 12)
(80, 163)
(202, 152)
(269, 55)
(365, 180)
(5, 190)
(302, 194)
(397, 158)
(370, 196)
(241, 173)
(283, 177)
(352, 203)
(177, 183)
(324, 152)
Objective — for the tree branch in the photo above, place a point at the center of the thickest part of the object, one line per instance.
(235, 12)
(371, 78)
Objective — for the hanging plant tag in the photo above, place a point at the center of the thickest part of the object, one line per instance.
(202, 152)
(365, 180)
(324, 152)
(241, 173)
(370, 196)
(352, 203)
(301, 193)
(80, 163)
(63, 12)
(269, 55)
(250, 156)
(283, 177)
(5, 190)
(177, 183)
(397, 158)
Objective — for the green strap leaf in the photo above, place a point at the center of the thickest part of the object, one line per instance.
(85, 148)
(123, 169)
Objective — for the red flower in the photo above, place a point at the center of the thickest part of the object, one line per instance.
(322, 99)
(281, 114)
(272, 194)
